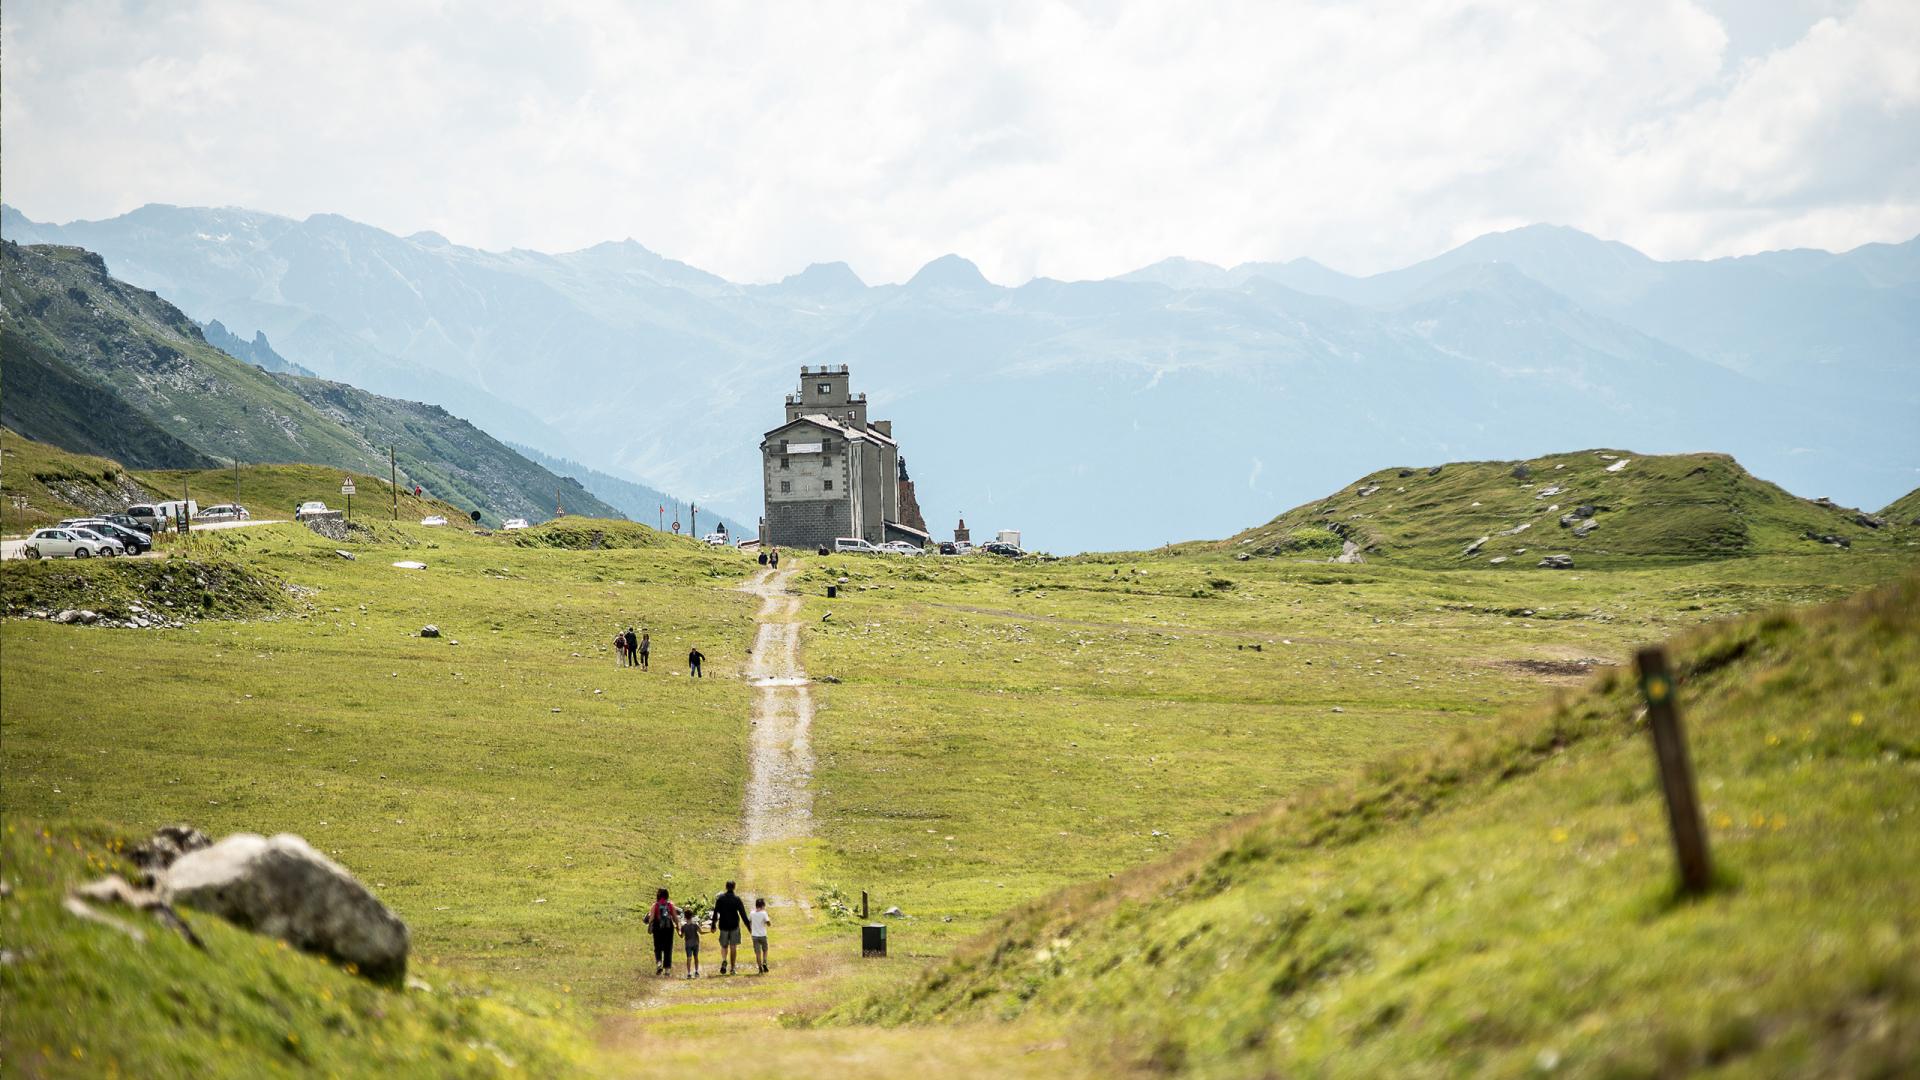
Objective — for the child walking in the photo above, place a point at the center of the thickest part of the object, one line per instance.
(757, 924)
(690, 932)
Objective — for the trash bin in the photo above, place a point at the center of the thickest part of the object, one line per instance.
(833, 591)
(873, 939)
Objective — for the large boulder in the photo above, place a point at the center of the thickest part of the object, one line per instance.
(1557, 562)
(283, 888)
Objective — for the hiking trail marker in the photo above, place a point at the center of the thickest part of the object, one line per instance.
(1676, 772)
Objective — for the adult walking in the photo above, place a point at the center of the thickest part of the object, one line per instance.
(693, 664)
(663, 920)
(620, 647)
(646, 647)
(773, 558)
(633, 648)
(728, 913)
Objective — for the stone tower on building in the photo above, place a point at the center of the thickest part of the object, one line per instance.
(830, 472)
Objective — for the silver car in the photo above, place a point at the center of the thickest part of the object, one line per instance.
(71, 541)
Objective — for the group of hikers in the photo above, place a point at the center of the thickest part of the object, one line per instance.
(728, 915)
(770, 557)
(637, 650)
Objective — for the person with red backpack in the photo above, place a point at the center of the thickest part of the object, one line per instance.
(663, 920)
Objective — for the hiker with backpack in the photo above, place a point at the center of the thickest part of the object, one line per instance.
(633, 647)
(664, 921)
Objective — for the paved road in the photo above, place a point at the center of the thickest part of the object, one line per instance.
(14, 549)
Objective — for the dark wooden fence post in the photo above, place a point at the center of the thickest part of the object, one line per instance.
(1676, 771)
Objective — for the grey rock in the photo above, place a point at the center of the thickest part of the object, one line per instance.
(1869, 521)
(1435, 471)
(1557, 562)
(1474, 548)
(429, 630)
(1522, 472)
(165, 847)
(66, 616)
(283, 888)
(1836, 541)
(1497, 560)
(1368, 490)
(347, 555)
(1580, 531)
(893, 913)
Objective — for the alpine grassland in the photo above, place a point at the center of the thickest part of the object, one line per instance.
(1199, 810)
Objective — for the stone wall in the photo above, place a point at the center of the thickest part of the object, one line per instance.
(807, 523)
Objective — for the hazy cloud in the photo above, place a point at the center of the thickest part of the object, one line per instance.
(1072, 140)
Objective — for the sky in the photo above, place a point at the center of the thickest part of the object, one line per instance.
(1037, 138)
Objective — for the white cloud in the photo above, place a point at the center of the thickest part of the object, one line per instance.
(1036, 138)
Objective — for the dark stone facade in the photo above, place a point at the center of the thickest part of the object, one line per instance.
(808, 523)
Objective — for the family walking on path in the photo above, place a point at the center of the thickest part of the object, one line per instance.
(728, 916)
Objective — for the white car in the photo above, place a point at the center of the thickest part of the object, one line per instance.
(854, 545)
(900, 547)
(433, 519)
(717, 539)
(225, 512)
(73, 540)
(314, 508)
(514, 523)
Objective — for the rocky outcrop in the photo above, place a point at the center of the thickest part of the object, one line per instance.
(283, 888)
(1557, 562)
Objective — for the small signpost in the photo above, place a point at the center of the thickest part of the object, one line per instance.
(1676, 772)
(346, 488)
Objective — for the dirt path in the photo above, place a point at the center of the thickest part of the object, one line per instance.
(779, 802)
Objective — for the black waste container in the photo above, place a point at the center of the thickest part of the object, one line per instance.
(873, 939)
(833, 591)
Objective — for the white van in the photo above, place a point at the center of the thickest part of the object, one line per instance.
(854, 544)
(171, 509)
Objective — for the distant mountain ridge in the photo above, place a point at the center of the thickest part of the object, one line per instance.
(632, 498)
(1076, 410)
(97, 366)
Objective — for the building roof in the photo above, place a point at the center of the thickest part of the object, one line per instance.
(820, 420)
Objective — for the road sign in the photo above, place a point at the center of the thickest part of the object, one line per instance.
(346, 486)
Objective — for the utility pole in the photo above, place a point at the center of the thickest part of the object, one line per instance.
(693, 519)
(393, 480)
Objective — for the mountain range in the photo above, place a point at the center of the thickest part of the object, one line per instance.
(1180, 400)
(96, 366)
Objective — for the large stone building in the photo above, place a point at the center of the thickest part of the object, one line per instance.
(830, 472)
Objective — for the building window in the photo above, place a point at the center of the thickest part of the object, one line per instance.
(784, 463)
(786, 487)
(829, 485)
(825, 389)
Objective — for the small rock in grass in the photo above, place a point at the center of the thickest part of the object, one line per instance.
(429, 630)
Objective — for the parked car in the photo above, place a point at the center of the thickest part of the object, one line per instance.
(133, 540)
(717, 539)
(58, 543)
(855, 545)
(964, 547)
(433, 519)
(995, 547)
(147, 516)
(311, 508)
(225, 512)
(514, 523)
(900, 547)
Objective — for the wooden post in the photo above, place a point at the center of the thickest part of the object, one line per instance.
(863, 903)
(1676, 771)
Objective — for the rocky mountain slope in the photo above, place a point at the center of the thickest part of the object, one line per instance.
(116, 370)
(1596, 506)
(1087, 405)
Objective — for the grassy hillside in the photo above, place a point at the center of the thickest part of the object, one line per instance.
(1905, 510)
(276, 491)
(246, 1006)
(43, 484)
(116, 370)
(1679, 506)
(1501, 903)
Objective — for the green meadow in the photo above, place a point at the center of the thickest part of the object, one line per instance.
(987, 734)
